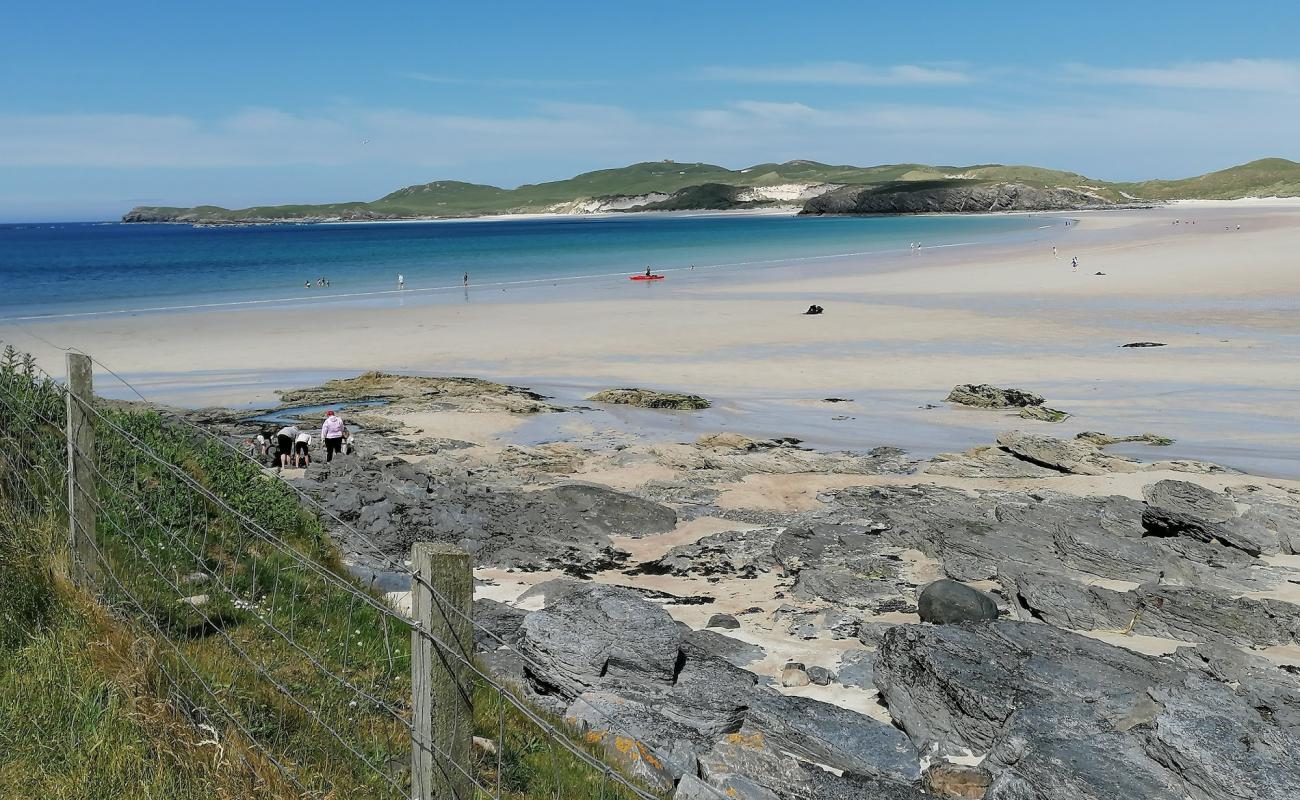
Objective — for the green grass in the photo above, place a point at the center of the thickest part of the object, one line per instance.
(98, 680)
(1267, 177)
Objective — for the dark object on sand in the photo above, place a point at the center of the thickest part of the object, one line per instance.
(946, 601)
(837, 400)
(982, 395)
(814, 309)
(1098, 273)
(1144, 344)
(723, 621)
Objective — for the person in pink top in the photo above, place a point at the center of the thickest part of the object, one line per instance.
(332, 431)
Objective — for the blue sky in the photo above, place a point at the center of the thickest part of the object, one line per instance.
(109, 105)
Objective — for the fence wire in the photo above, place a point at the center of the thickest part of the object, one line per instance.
(267, 634)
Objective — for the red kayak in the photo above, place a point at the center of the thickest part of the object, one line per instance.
(646, 277)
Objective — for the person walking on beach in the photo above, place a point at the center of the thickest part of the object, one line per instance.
(401, 282)
(467, 279)
(1054, 251)
(332, 432)
(284, 439)
(1074, 264)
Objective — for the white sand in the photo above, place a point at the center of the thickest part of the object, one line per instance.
(725, 338)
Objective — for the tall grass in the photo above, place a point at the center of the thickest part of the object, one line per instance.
(145, 692)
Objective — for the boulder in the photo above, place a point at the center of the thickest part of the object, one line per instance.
(1075, 457)
(820, 676)
(792, 677)
(946, 601)
(1182, 497)
(596, 632)
(723, 621)
(651, 398)
(983, 395)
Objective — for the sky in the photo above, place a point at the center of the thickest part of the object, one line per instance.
(105, 106)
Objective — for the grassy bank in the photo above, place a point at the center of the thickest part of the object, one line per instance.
(223, 637)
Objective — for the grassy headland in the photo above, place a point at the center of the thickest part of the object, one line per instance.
(700, 186)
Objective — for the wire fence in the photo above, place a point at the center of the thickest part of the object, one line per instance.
(315, 682)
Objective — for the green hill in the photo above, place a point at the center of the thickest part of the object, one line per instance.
(1267, 177)
(623, 187)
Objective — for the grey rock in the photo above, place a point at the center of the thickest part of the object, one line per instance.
(742, 554)
(792, 677)
(857, 668)
(1268, 688)
(501, 620)
(596, 632)
(820, 676)
(1218, 746)
(1186, 613)
(1280, 519)
(733, 651)
(1072, 456)
(1191, 499)
(1062, 715)
(983, 395)
(1250, 540)
(836, 737)
(723, 621)
(986, 462)
(947, 601)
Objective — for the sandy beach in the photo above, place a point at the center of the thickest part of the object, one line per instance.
(898, 332)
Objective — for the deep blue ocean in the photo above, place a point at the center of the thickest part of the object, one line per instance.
(52, 270)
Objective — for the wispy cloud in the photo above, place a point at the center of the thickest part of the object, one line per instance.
(842, 73)
(1242, 74)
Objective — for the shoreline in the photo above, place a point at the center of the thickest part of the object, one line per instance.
(899, 331)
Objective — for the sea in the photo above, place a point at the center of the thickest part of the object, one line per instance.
(60, 270)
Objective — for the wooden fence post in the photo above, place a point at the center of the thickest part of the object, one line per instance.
(442, 686)
(84, 565)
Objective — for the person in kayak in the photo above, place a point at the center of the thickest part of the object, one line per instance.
(647, 272)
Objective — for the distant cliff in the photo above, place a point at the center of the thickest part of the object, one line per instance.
(953, 197)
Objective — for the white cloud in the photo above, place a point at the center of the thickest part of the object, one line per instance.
(842, 73)
(262, 137)
(1242, 74)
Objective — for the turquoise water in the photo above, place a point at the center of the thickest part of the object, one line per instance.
(94, 268)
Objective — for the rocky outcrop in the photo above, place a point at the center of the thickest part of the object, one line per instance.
(741, 554)
(949, 197)
(1076, 457)
(1062, 715)
(984, 395)
(392, 503)
(651, 398)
